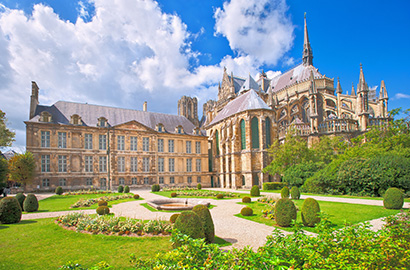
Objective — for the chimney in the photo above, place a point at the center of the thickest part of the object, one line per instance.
(33, 99)
(144, 107)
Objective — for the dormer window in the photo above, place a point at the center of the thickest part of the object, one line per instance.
(45, 117)
(75, 119)
(160, 128)
(179, 130)
(197, 131)
(102, 122)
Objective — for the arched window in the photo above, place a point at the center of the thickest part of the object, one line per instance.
(45, 117)
(255, 132)
(267, 132)
(102, 122)
(217, 142)
(243, 135)
(75, 119)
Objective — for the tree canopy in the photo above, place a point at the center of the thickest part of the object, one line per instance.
(6, 136)
(22, 168)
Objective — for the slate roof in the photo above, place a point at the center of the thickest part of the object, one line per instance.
(250, 84)
(237, 83)
(62, 111)
(298, 74)
(247, 101)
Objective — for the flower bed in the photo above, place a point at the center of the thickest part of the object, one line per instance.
(200, 193)
(89, 202)
(114, 226)
(90, 191)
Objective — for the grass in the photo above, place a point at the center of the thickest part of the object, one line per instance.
(42, 244)
(339, 213)
(152, 209)
(168, 194)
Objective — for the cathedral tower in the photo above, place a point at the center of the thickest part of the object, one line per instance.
(188, 107)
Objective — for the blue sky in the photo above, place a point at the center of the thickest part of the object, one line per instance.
(124, 52)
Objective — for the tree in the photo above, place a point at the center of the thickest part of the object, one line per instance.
(3, 172)
(6, 136)
(22, 168)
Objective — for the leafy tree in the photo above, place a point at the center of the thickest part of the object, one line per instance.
(3, 172)
(6, 136)
(327, 148)
(296, 175)
(22, 168)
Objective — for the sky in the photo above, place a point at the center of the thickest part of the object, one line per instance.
(123, 52)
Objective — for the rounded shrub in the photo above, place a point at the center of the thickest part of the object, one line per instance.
(285, 212)
(310, 212)
(246, 211)
(189, 223)
(173, 218)
(136, 196)
(103, 210)
(393, 198)
(126, 189)
(102, 203)
(255, 191)
(20, 198)
(173, 194)
(30, 203)
(120, 189)
(220, 196)
(155, 188)
(246, 199)
(207, 223)
(59, 190)
(295, 193)
(284, 192)
(10, 210)
(199, 186)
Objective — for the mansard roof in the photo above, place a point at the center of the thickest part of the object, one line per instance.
(62, 111)
(247, 101)
(298, 74)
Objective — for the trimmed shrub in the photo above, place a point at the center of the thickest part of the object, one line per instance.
(155, 188)
(173, 194)
(102, 203)
(199, 186)
(103, 210)
(393, 198)
(136, 196)
(173, 218)
(220, 196)
(207, 223)
(59, 190)
(273, 185)
(120, 189)
(285, 212)
(10, 210)
(295, 193)
(189, 223)
(310, 212)
(126, 189)
(284, 192)
(255, 191)
(30, 203)
(246, 199)
(246, 211)
(20, 198)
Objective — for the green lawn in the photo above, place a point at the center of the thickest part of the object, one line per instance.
(339, 213)
(204, 194)
(42, 244)
(152, 209)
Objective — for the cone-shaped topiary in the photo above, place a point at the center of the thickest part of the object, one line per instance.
(59, 190)
(10, 210)
(173, 218)
(255, 191)
(136, 196)
(120, 189)
(199, 186)
(155, 188)
(219, 196)
(285, 212)
(20, 198)
(102, 203)
(246, 211)
(393, 198)
(126, 189)
(190, 224)
(246, 199)
(30, 203)
(208, 224)
(295, 193)
(310, 212)
(284, 192)
(103, 210)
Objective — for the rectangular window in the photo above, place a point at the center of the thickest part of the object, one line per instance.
(62, 163)
(134, 181)
(145, 164)
(103, 164)
(62, 140)
(121, 164)
(45, 163)
(103, 182)
(88, 141)
(145, 144)
(171, 164)
(198, 147)
(121, 181)
(133, 146)
(189, 179)
(45, 182)
(198, 179)
(171, 180)
(62, 182)
(160, 164)
(161, 145)
(189, 165)
(198, 165)
(88, 164)
(146, 180)
(171, 146)
(161, 180)
(134, 164)
(188, 147)
(89, 181)
(45, 138)
(102, 142)
(120, 142)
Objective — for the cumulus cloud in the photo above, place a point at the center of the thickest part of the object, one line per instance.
(401, 96)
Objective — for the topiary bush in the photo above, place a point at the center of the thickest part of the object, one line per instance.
(120, 189)
(273, 185)
(126, 189)
(310, 212)
(136, 196)
(246, 211)
(155, 188)
(30, 203)
(173, 194)
(173, 218)
(246, 199)
(189, 223)
(20, 197)
(102, 203)
(284, 192)
(295, 193)
(220, 196)
(285, 212)
(255, 191)
(103, 210)
(59, 190)
(393, 198)
(10, 210)
(199, 186)
(207, 223)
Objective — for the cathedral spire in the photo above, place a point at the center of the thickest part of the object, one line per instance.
(383, 91)
(353, 93)
(339, 87)
(362, 86)
(307, 50)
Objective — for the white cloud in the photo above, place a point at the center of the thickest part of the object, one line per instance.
(401, 96)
